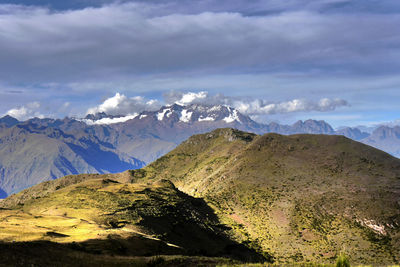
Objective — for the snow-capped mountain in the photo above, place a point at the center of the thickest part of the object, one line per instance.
(200, 113)
(177, 113)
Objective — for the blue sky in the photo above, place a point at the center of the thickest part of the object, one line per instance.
(337, 60)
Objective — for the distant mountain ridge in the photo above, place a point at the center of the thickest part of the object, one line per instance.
(385, 138)
(30, 154)
(8, 121)
(135, 140)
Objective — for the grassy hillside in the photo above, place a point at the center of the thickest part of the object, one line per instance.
(298, 198)
(102, 214)
(288, 199)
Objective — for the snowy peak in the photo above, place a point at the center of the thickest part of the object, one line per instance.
(200, 113)
(99, 116)
(176, 113)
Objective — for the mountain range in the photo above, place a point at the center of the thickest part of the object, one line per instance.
(300, 198)
(42, 149)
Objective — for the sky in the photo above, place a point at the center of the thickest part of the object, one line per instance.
(332, 60)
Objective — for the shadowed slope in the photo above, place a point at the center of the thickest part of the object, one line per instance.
(103, 215)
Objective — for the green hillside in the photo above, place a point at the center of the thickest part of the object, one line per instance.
(102, 214)
(227, 193)
(297, 198)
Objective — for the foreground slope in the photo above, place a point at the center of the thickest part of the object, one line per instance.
(107, 215)
(298, 198)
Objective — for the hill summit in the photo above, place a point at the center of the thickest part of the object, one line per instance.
(299, 197)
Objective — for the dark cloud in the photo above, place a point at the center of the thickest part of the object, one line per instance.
(14, 91)
(116, 40)
(250, 8)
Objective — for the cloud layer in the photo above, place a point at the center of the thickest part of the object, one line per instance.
(140, 38)
(260, 107)
(251, 106)
(286, 55)
(123, 105)
(22, 113)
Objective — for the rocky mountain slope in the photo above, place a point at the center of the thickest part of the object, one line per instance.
(8, 121)
(352, 133)
(30, 154)
(385, 138)
(298, 197)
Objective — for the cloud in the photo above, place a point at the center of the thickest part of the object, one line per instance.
(254, 7)
(123, 105)
(26, 112)
(321, 48)
(251, 106)
(131, 39)
(260, 107)
(182, 98)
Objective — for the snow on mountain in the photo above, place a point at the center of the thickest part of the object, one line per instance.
(186, 115)
(109, 120)
(206, 119)
(161, 114)
(233, 116)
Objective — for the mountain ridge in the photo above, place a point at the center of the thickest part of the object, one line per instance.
(30, 154)
(145, 137)
(308, 193)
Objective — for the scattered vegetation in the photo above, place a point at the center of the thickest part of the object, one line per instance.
(276, 199)
(342, 261)
(296, 198)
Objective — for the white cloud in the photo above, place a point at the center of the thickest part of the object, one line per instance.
(26, 112)
(260, 107)
(250, 106)
(123, 105)
(190, 97)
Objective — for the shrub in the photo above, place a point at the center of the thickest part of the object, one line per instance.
(156, 261)
(342, 261)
